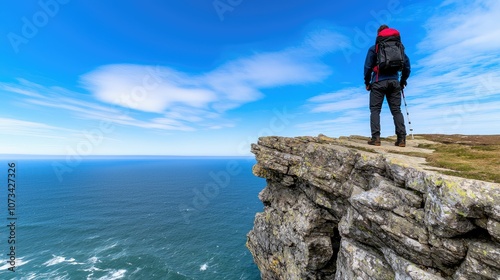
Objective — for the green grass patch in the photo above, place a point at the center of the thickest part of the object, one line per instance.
(469, 156)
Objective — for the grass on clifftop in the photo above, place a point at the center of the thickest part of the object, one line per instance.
(471, 156)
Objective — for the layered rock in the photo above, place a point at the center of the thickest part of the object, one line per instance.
(335, 211)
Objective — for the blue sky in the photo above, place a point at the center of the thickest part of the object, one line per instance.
(209, 77)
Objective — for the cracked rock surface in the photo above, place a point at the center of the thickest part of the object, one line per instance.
(333, 210)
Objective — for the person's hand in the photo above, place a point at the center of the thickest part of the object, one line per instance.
(368, 87)
(402, 84)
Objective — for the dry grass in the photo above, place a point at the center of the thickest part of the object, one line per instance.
(471, 156)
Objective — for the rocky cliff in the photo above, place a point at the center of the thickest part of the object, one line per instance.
(335, 210)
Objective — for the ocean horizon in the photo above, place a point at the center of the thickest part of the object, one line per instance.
(129, 217)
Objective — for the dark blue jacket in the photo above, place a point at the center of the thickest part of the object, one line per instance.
(371, 76)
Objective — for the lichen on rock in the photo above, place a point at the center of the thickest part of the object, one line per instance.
(335, 210)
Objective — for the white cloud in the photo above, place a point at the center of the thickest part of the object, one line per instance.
(344, 99)
(460, 25)
(265, 70)
(462, 32)
(146, 88)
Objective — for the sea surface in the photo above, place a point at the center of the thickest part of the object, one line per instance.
(129, 218)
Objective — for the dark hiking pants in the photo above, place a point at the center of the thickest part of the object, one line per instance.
(392, 90)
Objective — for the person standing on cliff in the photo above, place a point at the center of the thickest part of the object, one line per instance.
(384, 80)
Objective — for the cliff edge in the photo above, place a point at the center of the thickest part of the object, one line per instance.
(335, 210)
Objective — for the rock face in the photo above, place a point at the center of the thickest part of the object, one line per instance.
(334, 211)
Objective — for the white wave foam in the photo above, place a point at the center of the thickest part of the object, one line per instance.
(114, 274)
(55, 260)
(112, 244)
(19, 262)
(31, 276)
(50, 275)
(92, 269)
(203, 267)
(92, 237)
(59, 259)
(94, 260)
(137, 270)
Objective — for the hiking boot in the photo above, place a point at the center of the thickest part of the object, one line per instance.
(375, 141)
(401, 141)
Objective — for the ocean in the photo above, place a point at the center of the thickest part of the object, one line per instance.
(128, 218)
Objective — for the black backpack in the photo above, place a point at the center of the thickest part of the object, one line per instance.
(390, 51)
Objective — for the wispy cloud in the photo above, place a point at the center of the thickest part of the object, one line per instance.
(32, 129)
(14, 89)
(73, 105)
(242, 80)
(326, 40)
(145, 88)
(462, 41)
(462, 30)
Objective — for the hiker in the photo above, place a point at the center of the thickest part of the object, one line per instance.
(384, 61)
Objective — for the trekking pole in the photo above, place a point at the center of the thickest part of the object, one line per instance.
(408, 114)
